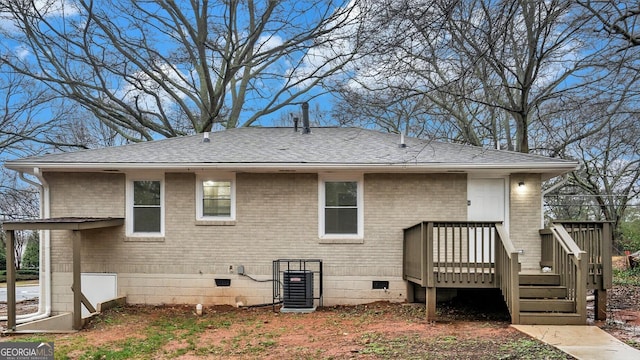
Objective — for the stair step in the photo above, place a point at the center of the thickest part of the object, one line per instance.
(542, 292)
(540, 318)
(547, 305)
(539, 279)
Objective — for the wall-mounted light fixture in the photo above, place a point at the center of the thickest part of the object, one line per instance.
(521, 184)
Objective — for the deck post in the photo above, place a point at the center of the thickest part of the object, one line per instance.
(514, 285)
(430, 296)
(581, 285)
(427, 274)
(430, 306)
(607, 244)
(411, 293)
(11, 281)
(600, 304)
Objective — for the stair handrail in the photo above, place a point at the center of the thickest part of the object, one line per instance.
(594, 237)
(579, 259)
(508, 272)
(563, 237)
(506, 241)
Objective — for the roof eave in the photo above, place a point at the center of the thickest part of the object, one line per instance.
(553, 168)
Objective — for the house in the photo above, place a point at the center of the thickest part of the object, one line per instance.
(220, 218)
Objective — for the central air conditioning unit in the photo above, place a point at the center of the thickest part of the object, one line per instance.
(298, 289)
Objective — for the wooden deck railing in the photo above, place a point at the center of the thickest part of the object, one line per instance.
(508, 273)
(570, 262)
(461, 255)
(595, 239)
(415, 255)
(450, 254)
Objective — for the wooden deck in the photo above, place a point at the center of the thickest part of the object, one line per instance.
(481, 255)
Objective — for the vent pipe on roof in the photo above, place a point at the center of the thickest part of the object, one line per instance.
(402, 143)
(206, 137)
(305, 118)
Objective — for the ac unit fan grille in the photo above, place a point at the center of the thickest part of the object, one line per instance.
(298, 289)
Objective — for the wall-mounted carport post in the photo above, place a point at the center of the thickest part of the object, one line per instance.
(76, 226)
(11, 280)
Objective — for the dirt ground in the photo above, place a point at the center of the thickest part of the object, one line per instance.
(465, 329)
(372, 331)
(623, 310)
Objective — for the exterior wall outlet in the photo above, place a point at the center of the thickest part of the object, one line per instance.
(230, 269)
(521, 251)
(240, 269)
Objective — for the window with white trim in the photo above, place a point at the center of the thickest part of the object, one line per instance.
(341, 210)
(145, 207)
(215, 197)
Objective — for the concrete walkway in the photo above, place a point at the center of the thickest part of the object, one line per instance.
(581, 341)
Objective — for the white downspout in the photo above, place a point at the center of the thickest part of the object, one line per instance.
(564, 180)
(44, 302)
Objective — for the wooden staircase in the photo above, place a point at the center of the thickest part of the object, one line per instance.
(543, 301)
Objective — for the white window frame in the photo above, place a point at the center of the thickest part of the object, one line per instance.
(130, 204)
(231, 177)
(324, 178)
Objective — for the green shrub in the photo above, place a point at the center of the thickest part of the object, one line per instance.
(31, 256)
(29, 272)
(627, 277)
(630, 235)
(21, 275)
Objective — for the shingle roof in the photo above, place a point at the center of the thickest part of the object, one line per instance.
(282, 147)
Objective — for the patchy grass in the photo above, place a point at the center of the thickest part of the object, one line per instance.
(375, 331)
(531, 349)
(452, 347)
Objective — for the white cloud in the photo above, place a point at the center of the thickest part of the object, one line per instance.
(21, 52)
(332, 50)
(56, 8)
(268, 42)
(48, 8)
(137, 91)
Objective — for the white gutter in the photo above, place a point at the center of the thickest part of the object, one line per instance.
(548, 169)
(44, 301)
(116, 166)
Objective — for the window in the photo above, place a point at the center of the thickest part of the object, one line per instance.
(341, 207)
(215, 197)
(145, 213)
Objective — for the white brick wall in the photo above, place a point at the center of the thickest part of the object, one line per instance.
(276, 217)
(525, 217)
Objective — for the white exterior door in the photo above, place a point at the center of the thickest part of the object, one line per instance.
(486, 202)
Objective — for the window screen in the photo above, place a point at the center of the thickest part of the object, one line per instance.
(216, 198)
(341, 207)
(147, 210)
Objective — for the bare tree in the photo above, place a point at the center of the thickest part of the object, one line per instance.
(34, 119)
(609, 179)
(618, 18)
(18, 202)
(490, 66)
(28, 115)
(168, 68)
